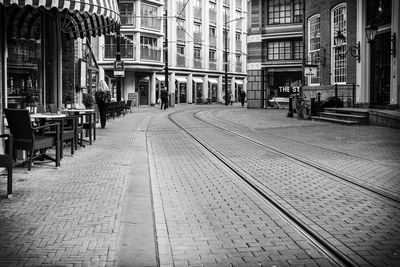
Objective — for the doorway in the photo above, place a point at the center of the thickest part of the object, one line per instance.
(144, 92)
(380, 71)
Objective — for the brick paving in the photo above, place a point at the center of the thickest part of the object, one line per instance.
(83, 213)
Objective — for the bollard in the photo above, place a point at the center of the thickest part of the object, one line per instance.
(313, 107)
(290, 112)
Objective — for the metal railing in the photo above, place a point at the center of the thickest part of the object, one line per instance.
(149, 53)
(213, 65)
(150, 23)
(180, 60)
(197, 63)
(338, 99)
(128, 51)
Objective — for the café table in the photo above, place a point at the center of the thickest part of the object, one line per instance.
(88, 121)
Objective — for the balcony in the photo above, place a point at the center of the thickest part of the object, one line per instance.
(150, 53)
(127, 20)
(213, 40)
(197, 13)
(180, 60)
(212, 65)
(180, 9)
(238, 67)
(239, 24)
(238, 45)
(127, 51)
(150, 23)
(197, 37)
(197, 63)
(180, 34)
(213, 16)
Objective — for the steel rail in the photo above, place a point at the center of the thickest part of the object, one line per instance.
(372, 189)
(319, 241)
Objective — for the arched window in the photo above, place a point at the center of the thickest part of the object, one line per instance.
(339, 62)
(314, 46)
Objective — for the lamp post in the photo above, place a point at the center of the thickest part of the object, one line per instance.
(226, 54)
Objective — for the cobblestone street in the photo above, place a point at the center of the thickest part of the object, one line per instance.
(146, 193)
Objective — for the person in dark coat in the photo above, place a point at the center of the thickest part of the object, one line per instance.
(242, 96)
(164, 99)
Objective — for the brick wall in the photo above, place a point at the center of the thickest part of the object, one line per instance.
(324, 7)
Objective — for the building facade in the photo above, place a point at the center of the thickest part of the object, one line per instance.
(194, 52)
(275, 50)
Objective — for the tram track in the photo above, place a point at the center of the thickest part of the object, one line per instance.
(340, 251)
(310, 234)
(395, 200)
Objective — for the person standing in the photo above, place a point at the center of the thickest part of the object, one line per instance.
(164, 99)
(242, 96)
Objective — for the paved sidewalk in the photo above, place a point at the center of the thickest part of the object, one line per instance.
(71, 216)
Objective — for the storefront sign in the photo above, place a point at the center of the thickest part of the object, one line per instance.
(119, 68)
(310, 70)
(289, 89)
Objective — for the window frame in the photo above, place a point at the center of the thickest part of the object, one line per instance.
(338, 59)
(314, 28)
(285, 12)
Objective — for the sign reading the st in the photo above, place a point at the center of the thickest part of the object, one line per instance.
(119, 68)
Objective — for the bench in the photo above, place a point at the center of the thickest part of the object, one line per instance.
(279, 102)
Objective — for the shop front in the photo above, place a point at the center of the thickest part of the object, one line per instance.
(213, 88)
(180, 89)
(197, 88)
(37, 39)
(283, 82)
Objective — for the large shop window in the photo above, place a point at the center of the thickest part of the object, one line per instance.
(30, 78)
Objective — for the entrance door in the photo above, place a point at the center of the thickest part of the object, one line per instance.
(380, 71)
(143, 92)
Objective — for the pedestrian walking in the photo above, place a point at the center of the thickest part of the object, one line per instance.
(164, 99)
(242, 96)
(230, 97)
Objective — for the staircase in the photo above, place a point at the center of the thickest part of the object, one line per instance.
(347, 116)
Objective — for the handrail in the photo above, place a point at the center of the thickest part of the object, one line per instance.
(335, 86)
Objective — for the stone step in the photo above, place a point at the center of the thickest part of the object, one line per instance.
(363, 119)
(353, 111)
(333, 120)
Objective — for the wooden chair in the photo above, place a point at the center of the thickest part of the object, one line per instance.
(89, 125)
(6, 161)
(32, 139)
(128, 105)
(67, 133)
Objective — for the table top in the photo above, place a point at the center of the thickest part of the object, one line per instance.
(78, 110)
(47, 115)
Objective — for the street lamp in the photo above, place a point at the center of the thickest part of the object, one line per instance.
(354, 49)
(226, 54)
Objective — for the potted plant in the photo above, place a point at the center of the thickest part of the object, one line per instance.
(88, 100)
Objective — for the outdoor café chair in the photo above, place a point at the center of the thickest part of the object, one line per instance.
(31, 139)
(6, 161)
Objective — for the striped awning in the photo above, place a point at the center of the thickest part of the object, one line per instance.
(78, 19)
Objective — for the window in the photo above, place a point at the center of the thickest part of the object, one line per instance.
(285, 11)
(314, 46)
(148, 41)
(127, 14)
(238, 36)
(285, 50)
(211, 56)
(149, 17)
(180, 49)
(197, 53)
(211, 6)
(197, 3)
(339, 64)
(197, 28)
(212, 31)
